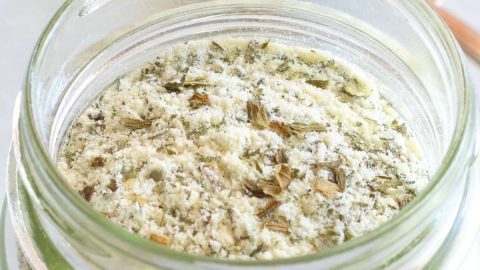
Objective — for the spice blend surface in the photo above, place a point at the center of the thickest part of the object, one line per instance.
(244, 149)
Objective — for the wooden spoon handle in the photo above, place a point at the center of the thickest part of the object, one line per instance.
(469, 39)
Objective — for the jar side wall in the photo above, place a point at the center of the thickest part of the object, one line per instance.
(48, 180)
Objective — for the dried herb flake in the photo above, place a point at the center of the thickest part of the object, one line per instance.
(161, 239)
(277, 223)
(280, 128)
(271, 206)
(300, 127)
(199, 100)
(319, 83)
(257, 114)
(135, 124)
(327, 188)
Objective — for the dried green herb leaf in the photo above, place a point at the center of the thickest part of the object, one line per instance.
(87, 192)
(158, 135)
(257, 114)
(348, 234)
(217, 68)
(400, 128)
(319, 83)
(327, 188)
(329, 164)
(256, 251)
(269, 187)
(277, 223)
(357, 89)
(135, 124)
(281, 157)
(112, 185)
(283, 177)
(257, 93)
(216, 46)
(171, 151)
(100, 116)
(156, 175)
(258, 166)
(386, 183)
(271, 206)
(402, 201)
(160, 239)
(265, 44)
(69, 157)
(199, 100)
(283, 67)
(255, 191)
(340, 178)
(280, 128)
(253, 52)
(197, 82)
(300, 127)
(97, 162)
(173, 87)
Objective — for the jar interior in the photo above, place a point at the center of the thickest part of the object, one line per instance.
(72, 72)
(328, 31)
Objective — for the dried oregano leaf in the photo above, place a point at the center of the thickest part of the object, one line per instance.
(402, 201)
(98, 162)
(160, 239)
(269, 187)
(265, 44)
(386, 183)
(197, 82)
(156, 175)
(224, 54)
(340, 178)
(257, 114)
(199, 100)
(255, 191)
(280, 128)
(277, 223)
(400, 128)
(271, 206)
(253, 52)
(173, 87)
(319, 83)
(69, 157)
(329, 164)
(281, 181)
(281, 157)
(283, 177)
(327, 188)
(300, 127)
(283, 67)
(135, 124)
(258, 166)
(357, 89)
(186, 81)
(112, 185)
(257, 250)
(87, 192)
(217, 47)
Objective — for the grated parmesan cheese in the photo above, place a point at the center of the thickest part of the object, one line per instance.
(172, 153)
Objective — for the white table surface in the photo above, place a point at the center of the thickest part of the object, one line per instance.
(21, 22)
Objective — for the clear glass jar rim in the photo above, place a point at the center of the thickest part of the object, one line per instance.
(456, 153)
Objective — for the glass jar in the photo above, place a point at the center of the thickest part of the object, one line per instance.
(402, 43)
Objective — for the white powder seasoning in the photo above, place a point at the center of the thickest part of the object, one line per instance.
(243, 149)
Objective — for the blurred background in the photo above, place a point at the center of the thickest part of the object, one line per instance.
(21, 22)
